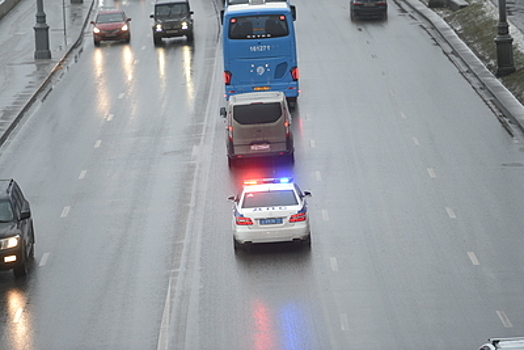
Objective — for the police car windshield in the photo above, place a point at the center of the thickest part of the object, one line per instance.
(6, 212)
(280, 198)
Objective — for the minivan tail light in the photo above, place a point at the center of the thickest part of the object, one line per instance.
(286, 126)
(227, 77)
(243, 221)
(230, 133)
(302, 216)
(294, 73)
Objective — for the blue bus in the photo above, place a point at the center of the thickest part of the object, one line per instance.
(260, 49)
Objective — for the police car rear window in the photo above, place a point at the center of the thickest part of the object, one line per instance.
(279, 198)
(257, 113)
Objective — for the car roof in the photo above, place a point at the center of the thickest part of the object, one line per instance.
(254, 97)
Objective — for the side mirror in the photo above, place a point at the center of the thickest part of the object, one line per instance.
(128, 19)
(191, 13)
(92, 22)
(221, 16)
(223, 112)
(232, 198)
(293, 12)
(151, 16)
(307, 194)
(25, 214)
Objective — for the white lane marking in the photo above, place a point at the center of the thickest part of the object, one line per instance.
(312, 143)
(318, 176)
(334, 263)
(344, 322)
(82, 174)
(403, 115)
(325, 215)
(416, 141)
(473, 258)
(121, 95)
(110, 117)
(65, 212)
(451, 213)
(18, 315)
(97, 143)
(43, 261)
(432, 173)
(143, 47)
(504, 318)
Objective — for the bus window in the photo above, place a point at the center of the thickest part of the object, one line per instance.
(258, 27)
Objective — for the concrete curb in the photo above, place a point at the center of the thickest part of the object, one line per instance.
(503, 98)
(60, 64)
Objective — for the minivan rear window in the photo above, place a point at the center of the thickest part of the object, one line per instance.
(257, 113)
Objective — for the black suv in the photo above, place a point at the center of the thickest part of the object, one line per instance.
(173, 18)
(17, 237)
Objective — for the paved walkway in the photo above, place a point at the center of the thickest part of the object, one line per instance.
(21, 75)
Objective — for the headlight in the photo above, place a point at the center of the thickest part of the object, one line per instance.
(125, 28)
(96, 30)
(9, 242)
(158, 27)
(184, 25)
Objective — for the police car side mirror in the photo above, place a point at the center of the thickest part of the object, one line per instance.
(232, 198)
(307, 194)
(223, 112)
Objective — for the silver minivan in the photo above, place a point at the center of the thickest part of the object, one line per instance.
(258, 124)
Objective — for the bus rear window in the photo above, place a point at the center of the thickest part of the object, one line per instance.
(258, 27)
(257, 113)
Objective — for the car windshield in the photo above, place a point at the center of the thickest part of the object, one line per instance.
(279, 198)
(258, 27)
(110, 17)
(171, 10)
(257, 113)
(6, 212)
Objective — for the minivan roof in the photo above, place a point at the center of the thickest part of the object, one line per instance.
(254, 97)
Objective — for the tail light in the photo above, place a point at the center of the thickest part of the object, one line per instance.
(302, 216)
(230, 133)
(227, 77)
(243, 221)
(286, 126)
(294, 73)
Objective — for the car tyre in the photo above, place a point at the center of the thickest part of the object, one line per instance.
(157, 40)
(128, 40)
(236, 245)
(22, 269)
(307, 242)
(96, 42)
(190, 37)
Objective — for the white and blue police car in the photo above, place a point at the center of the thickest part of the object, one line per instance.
(270, 210)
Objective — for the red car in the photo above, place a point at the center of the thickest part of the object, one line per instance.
(111, 25)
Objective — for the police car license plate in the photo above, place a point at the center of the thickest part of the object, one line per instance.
(260, 147)
(271, 221)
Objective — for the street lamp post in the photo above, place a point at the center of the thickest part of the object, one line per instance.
(504, 43)
(41, 33)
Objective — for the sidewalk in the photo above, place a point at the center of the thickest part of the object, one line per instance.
(21, 75)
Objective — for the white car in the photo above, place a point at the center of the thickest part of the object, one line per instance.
(516, 343)
(270, 210)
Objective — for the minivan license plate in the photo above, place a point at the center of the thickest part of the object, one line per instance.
(260, 147)
(271, 221)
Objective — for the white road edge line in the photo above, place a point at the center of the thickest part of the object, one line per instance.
(325, 215)
(504, 318)
(451, 213)
(43, 261)
(473, 258)
(65, 212)
(344, 322)
(334, 263)
(318, 176)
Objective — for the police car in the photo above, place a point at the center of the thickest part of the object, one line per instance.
(516, 343)
(270, 210)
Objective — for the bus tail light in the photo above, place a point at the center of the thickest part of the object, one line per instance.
(227, 77)
(294, 73)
